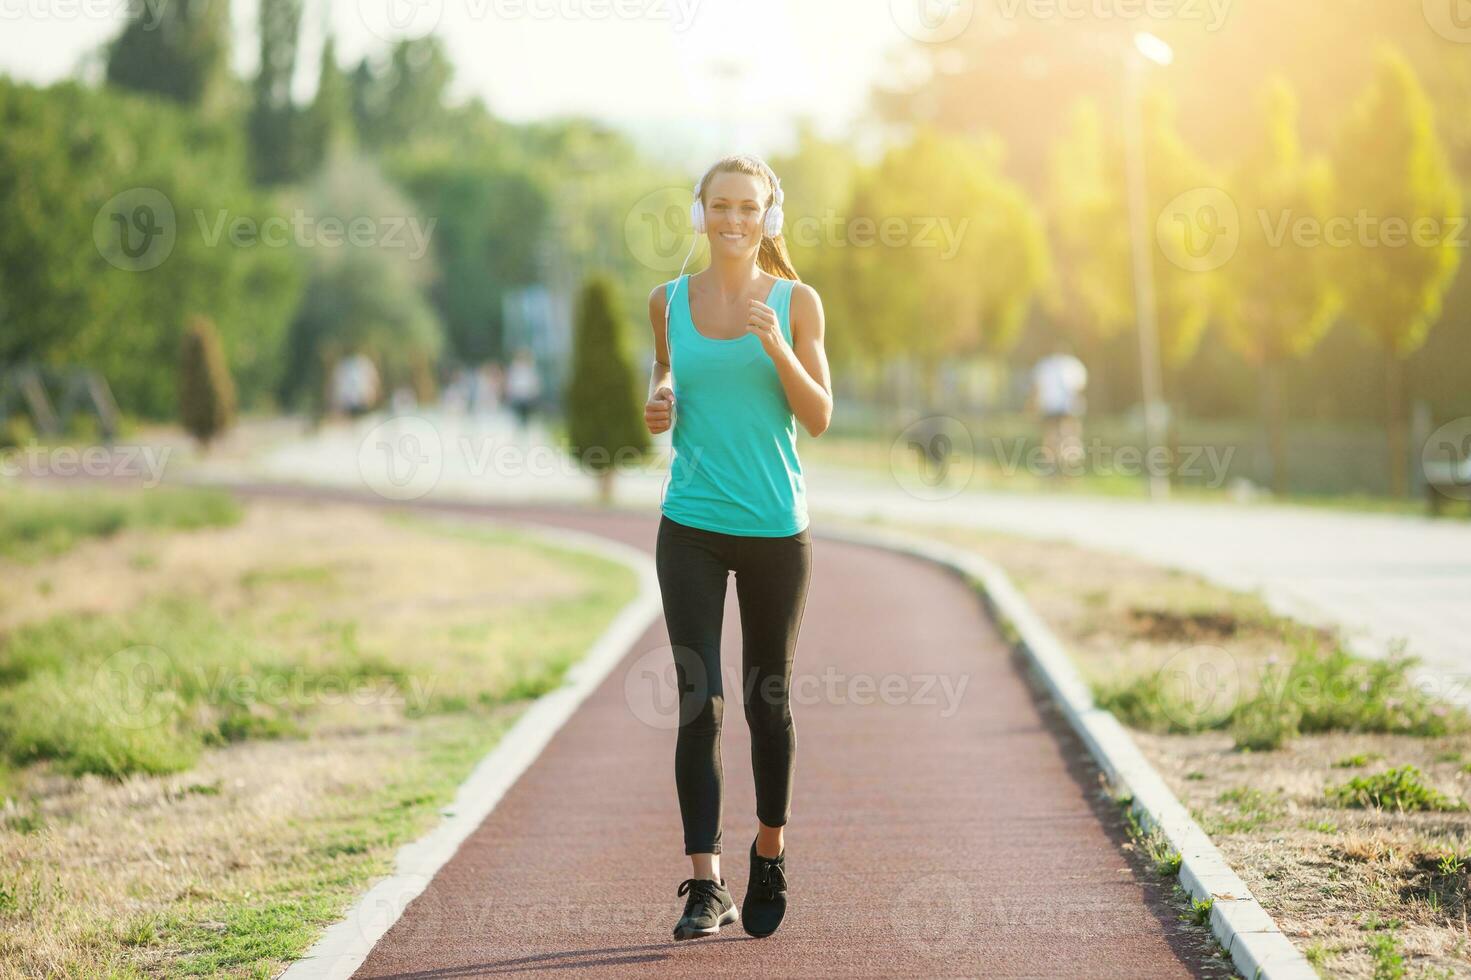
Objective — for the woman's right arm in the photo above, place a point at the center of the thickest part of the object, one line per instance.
(658, 411)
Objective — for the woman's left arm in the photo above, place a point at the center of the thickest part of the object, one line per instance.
(802, 365)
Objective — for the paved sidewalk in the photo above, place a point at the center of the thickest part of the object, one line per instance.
(1382, 578)
(944, 823)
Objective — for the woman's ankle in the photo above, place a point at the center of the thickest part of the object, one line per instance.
(770, 841)
(705, 866)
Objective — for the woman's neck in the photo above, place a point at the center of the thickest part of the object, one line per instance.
(731, 280)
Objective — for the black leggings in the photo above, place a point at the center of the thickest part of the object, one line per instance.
(772, 575)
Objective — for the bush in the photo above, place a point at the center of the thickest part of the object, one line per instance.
(206, 392)
(604, 404)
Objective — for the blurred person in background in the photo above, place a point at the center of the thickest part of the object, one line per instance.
(354, 384)
(483, 396)
(1058, 383)
(523, 386)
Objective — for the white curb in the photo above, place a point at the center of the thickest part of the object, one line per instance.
(1258, 948)
(345, 945)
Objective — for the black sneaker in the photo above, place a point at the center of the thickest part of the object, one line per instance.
(709, 907)
(766, 895)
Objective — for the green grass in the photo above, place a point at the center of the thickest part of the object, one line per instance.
(37, 524)
(146, 690)
(314, 575)
(1318, 689)
(1357, 761)
(1399, 789)
(1384, 948)
(1200, 911)
(1162, 856)
(1254, 808)
(1148, 703)
(1389, 962)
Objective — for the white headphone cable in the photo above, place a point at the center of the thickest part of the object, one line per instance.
(669, 349)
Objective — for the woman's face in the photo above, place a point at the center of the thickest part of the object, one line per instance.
(735, 209)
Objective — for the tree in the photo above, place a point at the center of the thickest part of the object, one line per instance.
(1089, 215)
(592, 177)
(604, 405)
(817, 180)
(946, 254)
(65, 153)
(179, 50)
(407, 98)
(1092, 297)
(492, 219)
(1278, 298)
(275, 126)
(366, 295)
(1396, 186)
(206, 392)
(327, 127)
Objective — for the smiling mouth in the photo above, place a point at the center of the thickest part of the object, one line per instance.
(731, 236)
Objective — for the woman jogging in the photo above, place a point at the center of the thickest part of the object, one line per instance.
(743, 341)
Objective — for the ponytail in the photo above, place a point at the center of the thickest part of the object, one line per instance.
(772, 257)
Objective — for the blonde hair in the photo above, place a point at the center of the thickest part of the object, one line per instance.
(772, 256)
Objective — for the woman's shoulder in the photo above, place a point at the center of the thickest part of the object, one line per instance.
(660, 293)
(804, 297)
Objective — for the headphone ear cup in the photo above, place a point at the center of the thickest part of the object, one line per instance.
(697, 216)
(774, 218)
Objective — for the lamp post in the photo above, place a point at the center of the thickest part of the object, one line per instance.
(1146, 49)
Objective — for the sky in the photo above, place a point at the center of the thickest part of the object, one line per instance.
(685, 76)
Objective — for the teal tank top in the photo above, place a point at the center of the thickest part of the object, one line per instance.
(735, 468)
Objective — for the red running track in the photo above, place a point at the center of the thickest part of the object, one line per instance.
(934, 831)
